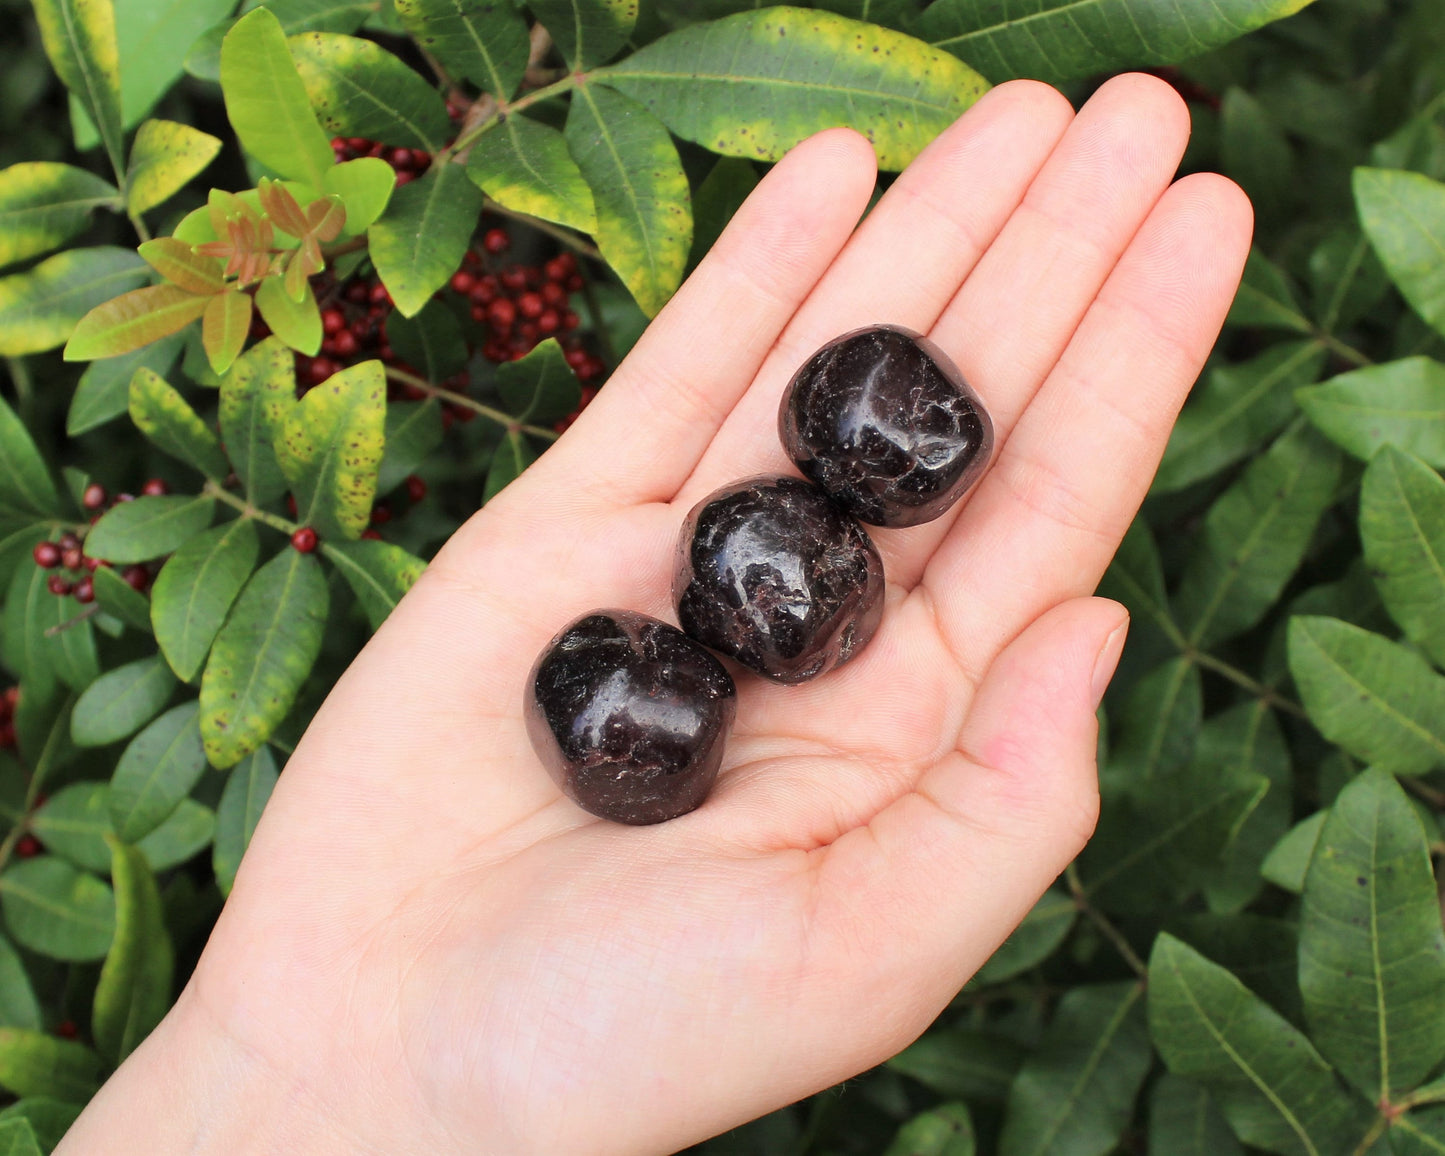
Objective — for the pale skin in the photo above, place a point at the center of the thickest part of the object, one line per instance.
(429, 949)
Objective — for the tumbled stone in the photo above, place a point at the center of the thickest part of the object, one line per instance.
(629, 716)
(886, 424)
(772, 573)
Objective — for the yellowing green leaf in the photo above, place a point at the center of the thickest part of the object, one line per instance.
(164, 416)
(181, 265)
(524, 165)
(256, 395)
(267, 103)
(43, 205)
(38, 1064)
(379, 574)
(588, 32)
(79, 38)
(757, 83)
(330, 450)
(164, 158)
(224, 328)
(40, 307)
(134, 991)
(132, 320)
(484, 41)
(262, 656)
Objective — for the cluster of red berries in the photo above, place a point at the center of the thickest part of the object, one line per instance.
(9, 700)
(73, 566)
(408, 163)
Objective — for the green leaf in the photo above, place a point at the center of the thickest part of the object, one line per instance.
(247, 790)
(1265, 298)
(153, 39)
(512, 457)
(413, 431)
(157, 770)
(484, 41)
(1378, 700)
(1418, 1133)
(119, 703)
(131, 320)
(959, 1063)
(17, 1138)
(719, 196)
(185, 834)
(1183, 1121)
(43, 205)
(1271, 1084)
(297, 323)
(195, 589)
(644, 223)
(525, 166)
(1400, 403)
(1289, 859)
(116, 596)
(164, 416)
(134, 991)
(35, 1064)
(358, 88)
(431, 341)
(1059, 40)
(588, 32)
(330, 449)
(148, 527)
(756, 83)
(419, 242)
(224, 328)
(540, 388)
(262, 656)
(49, 1118)
(1372, 952)
(1234, 409)
(40, 307)
(22, 642)
(1403, 214)
(18, 1005)
(379, 573)
(73, 823)
(1346, 278)
(104, 389)
(52, 908)
(1255, 152)
(364, 186)
(79, 38)
(1255, 537)
(164, 158)
(944, 1131)
(256, 394)
(1030, 943)
(1402, 525)
(267, 102)
(1075, 1093)
(25, 482)
(1157, 727)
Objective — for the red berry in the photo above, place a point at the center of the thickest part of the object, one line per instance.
(548, 322)
(553, 294)
(137, 577)
(68, 541)
(67, 1029)
(320, 369)
(494, 350)
(377, 149)
(122, 498)
(527, 332)
(415, 488)
(332, 321)
(570, 320)
(420, 158)
(514, 278)
(576, 358)
(380, 514)
(484, 291)
(92, 564)
(574, 283)
(344, 344)
(338, 142)
(85, 589)
(304, 539)
(155, 488)
(400, 158)
(7, 735)
(501, 313)
(94, 496)
(531, 305)
(496, 241)
(291, 504)
(57, 585)
(479, 312)
(405, 177)
(379, 295)
(70, 559)
(371, 536)
(562, 265)
(47, 555)
(357, 292)
(462, 281)
(28, 846)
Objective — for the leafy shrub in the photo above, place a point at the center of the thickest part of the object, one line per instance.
(397, 296)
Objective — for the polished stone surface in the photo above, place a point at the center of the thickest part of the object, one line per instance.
(883, 420)
(629, 716)
(772, 573)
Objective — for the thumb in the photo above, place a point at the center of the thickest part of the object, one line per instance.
(966, 854)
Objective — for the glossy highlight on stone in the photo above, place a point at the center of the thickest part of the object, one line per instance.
(772, 573)
(882, 419)
(629, 716)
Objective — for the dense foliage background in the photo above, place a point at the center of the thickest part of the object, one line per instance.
(264, 421)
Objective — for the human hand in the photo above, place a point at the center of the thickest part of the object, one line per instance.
(430, 949)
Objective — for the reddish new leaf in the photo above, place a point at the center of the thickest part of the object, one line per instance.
(181, 265)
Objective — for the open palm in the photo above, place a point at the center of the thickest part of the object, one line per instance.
(429, 949)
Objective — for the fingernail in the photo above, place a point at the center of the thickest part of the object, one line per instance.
(1107, 660)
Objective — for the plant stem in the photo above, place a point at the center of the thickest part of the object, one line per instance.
(1239, 678)
(1101, 921)
(1348, 352)
(1375, 1132)
(137, 223)
(60, 627)
(506, 421)
(1424, 791)
(211, 489)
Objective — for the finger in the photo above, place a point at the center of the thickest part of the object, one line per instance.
(925, 892)
(647, 429)
(905, 261)
(1048, 516)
